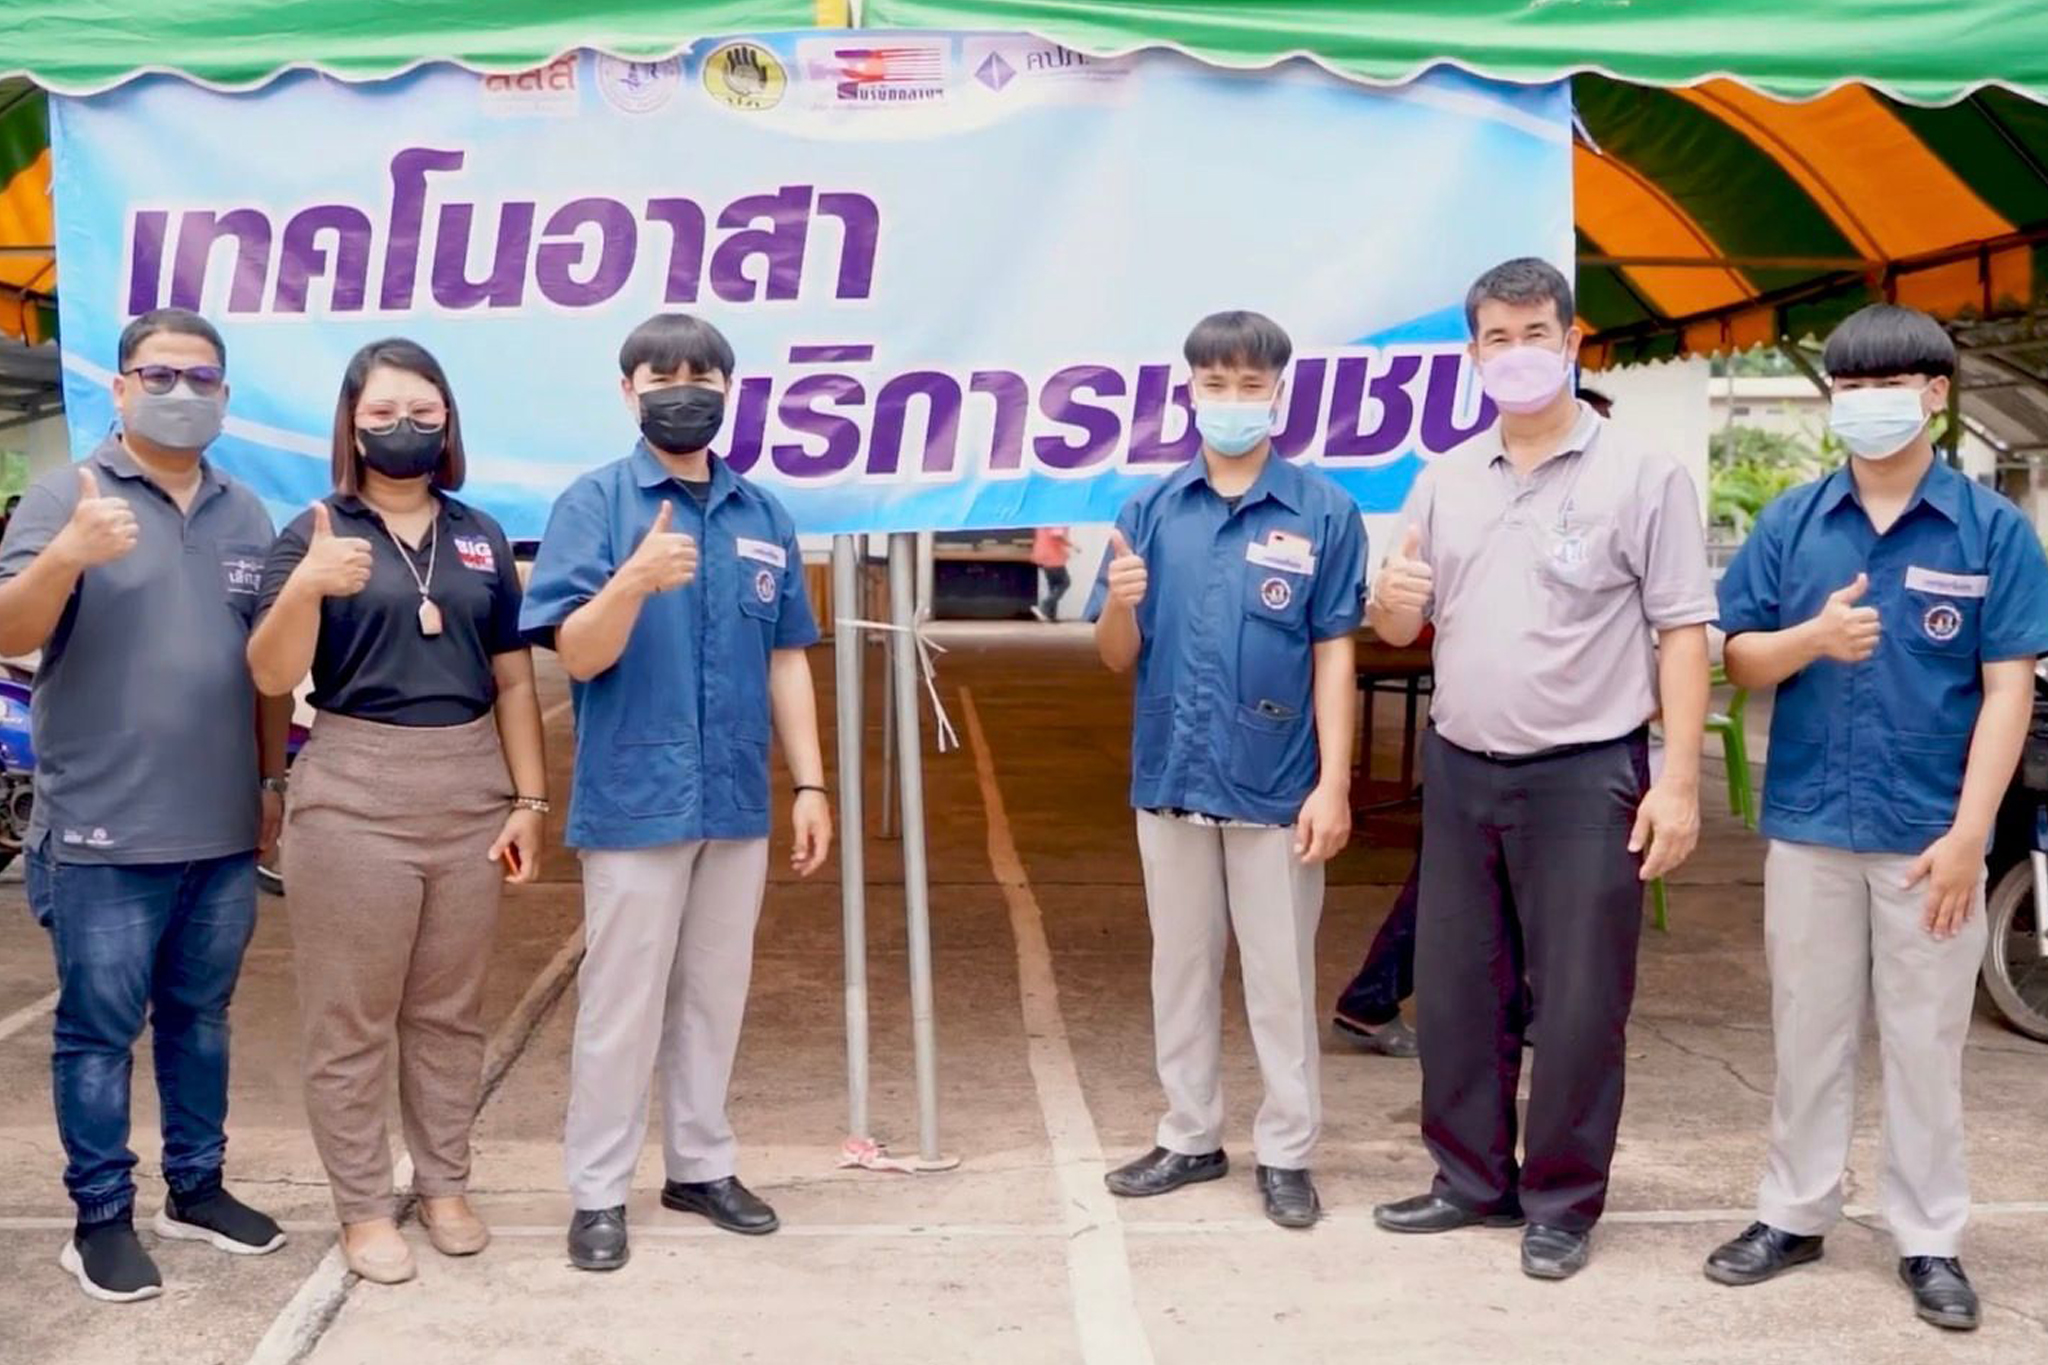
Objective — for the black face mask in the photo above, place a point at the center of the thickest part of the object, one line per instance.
(405, 452)
(682, 418)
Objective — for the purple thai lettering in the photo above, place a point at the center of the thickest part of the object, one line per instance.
(302, 258)
(1013, 409)
(1441, 430)
(861, 233)
(749, 423)
(1346, 440)
(780, 246)
(685, 219)
(409, 171)
(1099, 427)
(504, 285)
(1296, 434)
(799, 413)
(199, 231)
(146, 260)
(941, 393)
(555, 263)
(1155, 391)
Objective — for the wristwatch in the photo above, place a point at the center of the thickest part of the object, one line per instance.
(275, 785)
(537, 804)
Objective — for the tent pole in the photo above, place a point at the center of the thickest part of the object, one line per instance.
(849, 657)
(916, 890)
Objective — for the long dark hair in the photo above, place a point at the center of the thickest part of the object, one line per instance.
(395, 353)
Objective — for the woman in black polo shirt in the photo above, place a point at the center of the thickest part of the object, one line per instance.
(422, 788)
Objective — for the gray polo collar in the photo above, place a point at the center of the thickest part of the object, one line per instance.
(1577, 441)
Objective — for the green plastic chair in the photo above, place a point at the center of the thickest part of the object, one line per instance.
(1741, 792)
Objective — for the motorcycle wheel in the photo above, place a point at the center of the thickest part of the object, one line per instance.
(2015, 968)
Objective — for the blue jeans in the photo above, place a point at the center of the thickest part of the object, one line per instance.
(163, 940)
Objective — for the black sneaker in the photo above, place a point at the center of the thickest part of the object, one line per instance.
(220, 1219)
(110, 1264)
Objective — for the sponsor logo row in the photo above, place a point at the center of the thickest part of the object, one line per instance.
(846, 71)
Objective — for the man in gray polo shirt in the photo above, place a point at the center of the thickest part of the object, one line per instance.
(1565, 570)
(136, 573)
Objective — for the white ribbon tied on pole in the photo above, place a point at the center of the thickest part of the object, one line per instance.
(949, 738)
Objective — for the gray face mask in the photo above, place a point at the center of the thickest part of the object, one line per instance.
(178, 420)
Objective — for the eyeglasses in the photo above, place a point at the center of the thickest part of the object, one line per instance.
(204, 380)
(381, 419)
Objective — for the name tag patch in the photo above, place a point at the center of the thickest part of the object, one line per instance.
(766, 552)
(1282, 551)
(1947, 584)
(242, 574)
(476, 553)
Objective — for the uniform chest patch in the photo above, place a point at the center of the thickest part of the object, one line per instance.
(764, 586)
(1277, 593)
(1942, 623)
(476, 554)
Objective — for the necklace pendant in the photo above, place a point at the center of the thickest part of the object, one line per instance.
(430, 617)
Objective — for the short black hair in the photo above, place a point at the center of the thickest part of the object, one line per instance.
(674, 343)
(1251, 340)
(1524, 280)
(157, 321)
(1886, 339)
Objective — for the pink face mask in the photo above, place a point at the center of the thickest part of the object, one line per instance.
(1523, 379)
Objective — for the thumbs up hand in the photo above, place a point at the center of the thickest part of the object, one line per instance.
(334, 566)
(1127, 573)
(1405, 583)
(1846, 632)
(665, 559)
(100, 531)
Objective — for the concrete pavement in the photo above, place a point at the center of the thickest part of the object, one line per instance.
(1045, 1077)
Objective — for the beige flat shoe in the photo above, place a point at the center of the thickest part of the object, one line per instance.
(453, 1227)
(375, 1252)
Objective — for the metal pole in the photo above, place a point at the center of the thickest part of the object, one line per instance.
(849, 658)
(916, 892)
(888, 818)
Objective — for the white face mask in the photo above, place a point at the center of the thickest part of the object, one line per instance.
(1877, 424)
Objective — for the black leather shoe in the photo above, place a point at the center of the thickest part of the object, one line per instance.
(1428, 1213)
(1162, 1172)
(1290, 1197)
(726, 1202)
(1552, 1253)
(110, 1264)
(1941, 1292)
(597, 1239)
(1759, 1253)
(1391, 1039)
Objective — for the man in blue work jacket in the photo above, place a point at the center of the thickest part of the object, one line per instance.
(1233, 588)
(673, 590)
(1898, 608)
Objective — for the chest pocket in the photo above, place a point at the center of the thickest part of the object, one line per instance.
(1273, 671)
(1275, 597)
(241, 576)
(1585, 554)
(760, 590)
(1941, 624)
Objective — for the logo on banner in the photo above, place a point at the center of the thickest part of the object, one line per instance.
(476, 554)
(901, 73)
(1276, 593)
(545, 91)
(745, 76)
(638, 87)
(764, 586)
(1022, 65)
(1943, 622)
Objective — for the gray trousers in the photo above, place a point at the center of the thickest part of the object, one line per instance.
(668, 952)
(1841, 931)
(1201, 883)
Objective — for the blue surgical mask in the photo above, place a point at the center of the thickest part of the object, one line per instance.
(1877, 424)
(1234, 429)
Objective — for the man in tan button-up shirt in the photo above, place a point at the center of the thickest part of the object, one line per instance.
(1565, 570)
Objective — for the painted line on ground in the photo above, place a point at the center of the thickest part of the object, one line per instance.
(296, 1331)
(1098, 1264)
(26, 1016)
